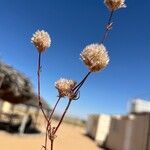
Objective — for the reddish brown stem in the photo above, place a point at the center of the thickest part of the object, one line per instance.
(64, 113)
(107, 27)
(39, 69)
(52, 144)
(49, 120)
(39, 95)
(77, 87)
(50, 117)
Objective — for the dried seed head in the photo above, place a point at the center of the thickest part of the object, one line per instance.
(41, 40)
(113, 5)
(65, 87)
(95, 57)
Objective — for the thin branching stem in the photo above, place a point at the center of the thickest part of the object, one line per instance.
(77, 87)
(52, 144)
(38, 72)
(107, 28)
(52, 112)
(62, 117)
(75, 90)
(104, 37)
(39, 90)
(49, 120)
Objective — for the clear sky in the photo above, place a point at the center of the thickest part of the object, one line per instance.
(73, 24)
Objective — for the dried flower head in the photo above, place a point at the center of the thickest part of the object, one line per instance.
(41, 40)
(113, 5)
(65, 87)
(95, 57)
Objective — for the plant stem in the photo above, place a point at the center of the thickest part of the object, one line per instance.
(104, 37)
(39, 69)
(39, 95)
(49, 119)
(62, 117)
(76, 89)
(52, 144)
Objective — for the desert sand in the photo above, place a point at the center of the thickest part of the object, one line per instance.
(69, 138)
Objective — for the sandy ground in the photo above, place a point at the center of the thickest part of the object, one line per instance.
(69, 138)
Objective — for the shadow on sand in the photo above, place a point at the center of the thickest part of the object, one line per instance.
(103, 146)
(14, 128)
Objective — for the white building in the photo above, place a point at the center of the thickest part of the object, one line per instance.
(98, 127)
(140, 106)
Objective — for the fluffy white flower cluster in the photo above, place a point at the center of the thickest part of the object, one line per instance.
(113, 5)
(95, 57)
(65, 87)
(41, 40)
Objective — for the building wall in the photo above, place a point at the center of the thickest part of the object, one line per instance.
(129, 133)
(140, 106)
(91, 125)
(98, 127)
(119, 133)
(139, 137)
(102, 128)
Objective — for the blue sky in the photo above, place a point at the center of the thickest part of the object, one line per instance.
(73, 24)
